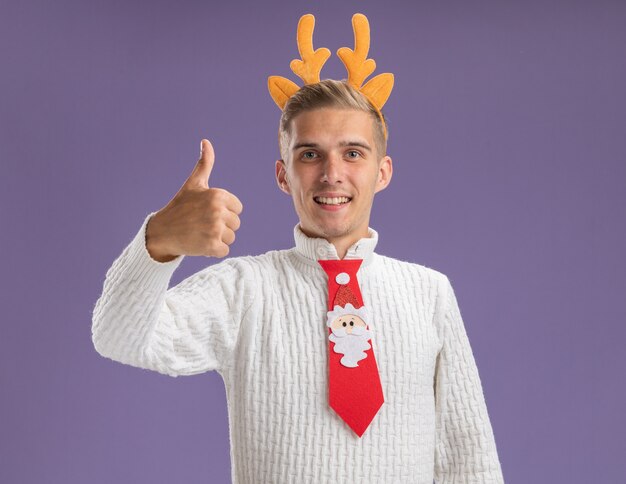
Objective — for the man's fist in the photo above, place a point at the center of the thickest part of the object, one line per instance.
(199, 220)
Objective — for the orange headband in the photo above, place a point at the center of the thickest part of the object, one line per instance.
(376, 90)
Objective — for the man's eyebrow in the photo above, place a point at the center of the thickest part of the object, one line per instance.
(306, 144)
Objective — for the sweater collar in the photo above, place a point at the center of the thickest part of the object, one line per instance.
(315, 248)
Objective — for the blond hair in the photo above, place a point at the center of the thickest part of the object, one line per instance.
(328, 93)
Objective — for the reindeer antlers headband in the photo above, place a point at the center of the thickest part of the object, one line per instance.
(376, 90)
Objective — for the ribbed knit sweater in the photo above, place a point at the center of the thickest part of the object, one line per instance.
(260, 321)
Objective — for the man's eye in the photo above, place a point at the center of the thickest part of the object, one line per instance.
(354, 151)
(304, 155)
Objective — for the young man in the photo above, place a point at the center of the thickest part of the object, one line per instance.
(265, 324)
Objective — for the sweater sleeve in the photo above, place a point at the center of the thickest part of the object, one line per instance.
(188, 329)
(465, 451)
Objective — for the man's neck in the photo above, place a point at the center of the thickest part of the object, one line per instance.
(341, 243)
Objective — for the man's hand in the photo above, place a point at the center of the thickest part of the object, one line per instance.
(199, 220)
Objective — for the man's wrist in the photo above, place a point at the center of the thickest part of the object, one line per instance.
(153, 250)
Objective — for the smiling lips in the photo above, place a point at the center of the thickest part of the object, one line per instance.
(332, 204)
(331, 201)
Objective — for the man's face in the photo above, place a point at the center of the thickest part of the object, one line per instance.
(333, 172)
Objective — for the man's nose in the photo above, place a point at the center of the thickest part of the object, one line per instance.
(332, 169)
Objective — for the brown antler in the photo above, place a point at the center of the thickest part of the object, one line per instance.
(308, 69)
(310, 66)
(359, 66)
(356, 61)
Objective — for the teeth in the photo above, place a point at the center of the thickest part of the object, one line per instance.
(332, 201)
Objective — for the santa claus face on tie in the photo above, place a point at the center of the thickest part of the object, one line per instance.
(348, 322)
(349, 333)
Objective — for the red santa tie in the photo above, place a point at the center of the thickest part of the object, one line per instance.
(355, 391)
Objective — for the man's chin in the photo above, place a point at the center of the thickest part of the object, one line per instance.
(334, 231)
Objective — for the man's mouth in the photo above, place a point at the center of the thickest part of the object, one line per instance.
(332, 201)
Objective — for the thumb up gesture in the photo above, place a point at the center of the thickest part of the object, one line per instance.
(199, 220)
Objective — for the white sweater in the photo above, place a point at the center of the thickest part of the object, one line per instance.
(260, 322)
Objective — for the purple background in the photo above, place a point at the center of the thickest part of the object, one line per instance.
(507, 133)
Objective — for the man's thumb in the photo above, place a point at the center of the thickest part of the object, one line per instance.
(202, 170)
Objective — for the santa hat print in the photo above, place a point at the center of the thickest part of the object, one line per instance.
(345, 301)
(344, 293)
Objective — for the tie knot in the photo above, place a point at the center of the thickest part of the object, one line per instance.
(342, 278)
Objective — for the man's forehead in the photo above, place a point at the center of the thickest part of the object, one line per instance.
(331, 125)
(310, 143)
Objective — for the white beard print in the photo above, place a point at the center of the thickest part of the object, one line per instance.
(352, 346)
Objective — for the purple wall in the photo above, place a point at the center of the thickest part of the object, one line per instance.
(507, 132)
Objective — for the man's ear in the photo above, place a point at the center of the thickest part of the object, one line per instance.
(385, 171)
(281, 177)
